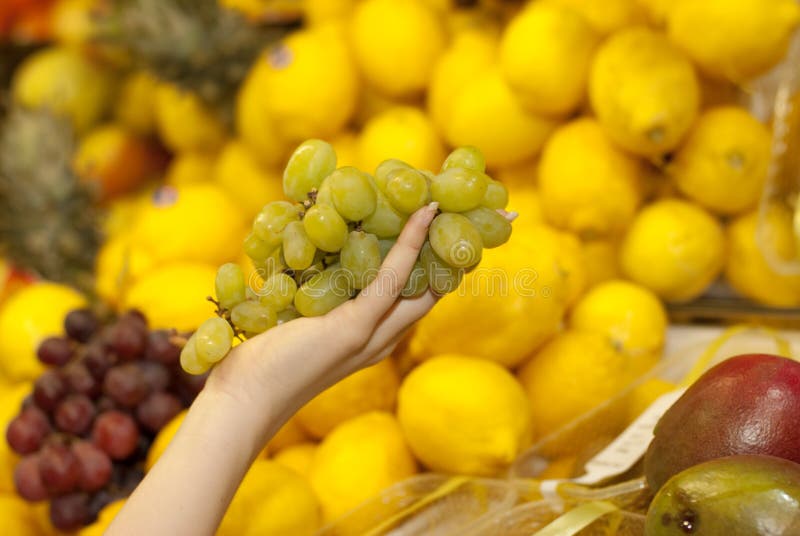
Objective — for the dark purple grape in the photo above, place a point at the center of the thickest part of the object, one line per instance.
(188, 386)
(81, 324)
(81, 381)
(100, 500)
(105, 403)
(159, 348)
(60, 468)
(135, 316)
(55, 351)
(75, 414)
(27, 431)
(128, 338)
(157, 410)
(131, 477)
(70, 512)
(28, 479)
(98, 360)
(116, 434)
(125, 384)
(49, 389)
(27, 402)
(95, 466)
(156, 376)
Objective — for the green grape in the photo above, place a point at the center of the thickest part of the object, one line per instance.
(273, 264)
(253, 317)
(278, 291)
(230, 285)
(325, 227)
(385, 222)
(417, 282)
(257, 249)
(496, 195)
(287, 315)
(456, 240)
(317, 268)
(386, 244)
(442, 277)
(465, 157)
(385, 168)
(323, 292)
(324, 195)
(458, 189)
(361, 258)
(308, 166)
(494, 229)
(213, 339)
(273, 218)
(353, 193)
(190, 362)
(298, 250)
(407, 190)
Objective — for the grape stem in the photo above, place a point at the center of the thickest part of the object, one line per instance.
(226, 315)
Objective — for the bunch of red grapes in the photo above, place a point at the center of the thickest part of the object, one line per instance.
(85, 431)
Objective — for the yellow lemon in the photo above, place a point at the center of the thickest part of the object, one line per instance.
(656, 10)
(522, 175)
(609, 16)
(243, 178)
(748, 269)
(173, 296)
(297, 457)
(528, 203)
(122, 212)
(195, 222)
(573, 373)
(371, 389)
(357, 460)
(17, 517)
(11, 398)
(104, 519)
(645, 91)
(272, 500)
(396, 43)
(345, 144)
(119, 263)
(464, 415)
(587, 185)
(601, 260)
(526, 284)
(674, 248)
(189, 168)
(185, 123)
(30, 315)
(723, 163)
(631, 316)
(642, 396)
(324, 11)
(736, 39)
(163, 439)
(545, 55)
(253, 123)
(402, 132)
(291, 433)
(135, 106)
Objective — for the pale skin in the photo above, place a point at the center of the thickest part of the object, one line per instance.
(260, 385)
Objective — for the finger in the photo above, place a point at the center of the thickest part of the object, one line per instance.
(510, 216)
(399, 319)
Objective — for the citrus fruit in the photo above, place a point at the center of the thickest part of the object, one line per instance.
(190, 167)
(119, 263)
(17, 517)
(325, 11)
(656, 10)
(135, 104)
(297, 457)
(464, 415)
(642, 396)
(601, 260)
(345, 144)
(185, 123)
(527, 201)
(291, 433)
(253, 123)
(606, 17)
(245, 180)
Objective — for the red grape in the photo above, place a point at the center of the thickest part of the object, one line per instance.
(135, 316)
(125, 384)
(116, 434)
(156, 376)
(28, 479)
(128, 338)
(80, 324)
(95, 466)
(60, 468)
(105, 403)
(74, 415)
(55, 351)
(159, 348)
(157, 410)
(81, 380)
(98, 360)
(70, 512)
(27, 431)
(49, 389)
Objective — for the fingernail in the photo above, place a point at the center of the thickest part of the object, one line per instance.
(434, 206)
(511, 216)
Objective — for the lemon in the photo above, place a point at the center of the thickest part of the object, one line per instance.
(357, 460)
(345, 144)
(185, 123)
(163, 439)
(104, 519)
(645, 91)
(401, 132)
(253, 123)
(749, 270)
(195, 222)
(17, 517)
(587, 185)
(674, 248)
(324, 11)
(631, 316)
(291, 433)
(486, 114)
(11, 398)
(642, 396)
(716, 92)
(464, 415)
(737, 39)
(545, 55)
(135, 104)
(189, 168)
(724, 161)
(297, 457)
(118, 265)
(30, 315)
(528, 203)
(172, 296)
(67, 83)
(272, 500)
(371, 389)
(308, 85)
(396, 43)
(122, 212)
(601, 260)
(532, 277)
(248, 183)
(609, 16)
(656, 10)
(573, 373)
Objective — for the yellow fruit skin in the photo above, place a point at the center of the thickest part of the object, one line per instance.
(190, 167)
(291, 433)
(401, 132)
(606, 17)
(545, 55)
(601, 260)
(107, 515)
(674, 248)
(587, 185)
(464, 415)
(371, 389)
(253, 123)
(645, 91)
(297, 457)
(656, 10)
(357, 460)
(324, 11)
(527, 201)
(28, 317)
(185, 123)
(11, 397)
(243, 178)
(345, 144)
(17, 517)
(737, 39)
(395, 43)
(747, 269)
(642, 396)
(119, 264)
(135, 104)
(162, 440)
(724, 161)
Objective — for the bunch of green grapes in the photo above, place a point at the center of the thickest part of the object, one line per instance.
(322, 247)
